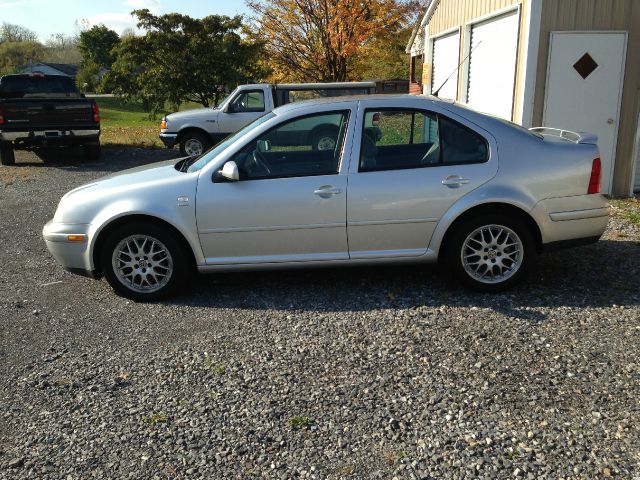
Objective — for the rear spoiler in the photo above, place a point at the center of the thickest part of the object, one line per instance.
(576, 137)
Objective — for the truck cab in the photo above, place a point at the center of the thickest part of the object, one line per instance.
(195, 131)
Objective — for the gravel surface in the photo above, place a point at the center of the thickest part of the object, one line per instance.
(350, 373)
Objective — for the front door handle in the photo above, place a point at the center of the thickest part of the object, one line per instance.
(327, 191)
(454, 181)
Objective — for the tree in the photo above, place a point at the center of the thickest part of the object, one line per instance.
(96, 45)
(14, 55)
(10, 32)
(88, 77)
(180, 58)
(323, 40)
(61, 48)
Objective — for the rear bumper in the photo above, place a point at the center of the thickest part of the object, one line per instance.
(51, 137)
(169, 139)
(581, 219)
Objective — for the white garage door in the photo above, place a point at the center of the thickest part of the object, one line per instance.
(492, 65)
(446, 51)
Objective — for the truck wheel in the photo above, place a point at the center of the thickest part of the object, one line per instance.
(194, 143)
(325, 139)
(7, 156)
(491, 253)
(92, 151)
(144, 262)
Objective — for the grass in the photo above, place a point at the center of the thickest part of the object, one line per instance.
(130, 123)
(629, 209)
(155, 418)
(300, 422)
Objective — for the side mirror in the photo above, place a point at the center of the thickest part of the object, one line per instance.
(264, 145)
(229, 172)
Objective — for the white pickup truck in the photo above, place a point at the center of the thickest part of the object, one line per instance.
(198, 130)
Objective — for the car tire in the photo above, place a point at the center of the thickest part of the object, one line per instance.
(491, 253)
(92, 151)
(194, 143)
(325, 139)
(166, 265)
(7, 155)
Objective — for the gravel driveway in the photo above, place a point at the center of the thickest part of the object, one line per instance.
(351, 373)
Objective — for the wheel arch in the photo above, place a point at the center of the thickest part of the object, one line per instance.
(114, 223)
(506, 209)
(192, 128)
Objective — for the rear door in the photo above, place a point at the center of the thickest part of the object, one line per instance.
(403, 180)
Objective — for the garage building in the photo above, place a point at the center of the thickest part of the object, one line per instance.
(570, 64)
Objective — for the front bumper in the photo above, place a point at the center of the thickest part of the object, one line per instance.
(169, 139)
(74, 256)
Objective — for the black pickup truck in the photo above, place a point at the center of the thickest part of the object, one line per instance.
(44, 111)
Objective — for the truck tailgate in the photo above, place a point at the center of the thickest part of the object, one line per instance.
(41, 113)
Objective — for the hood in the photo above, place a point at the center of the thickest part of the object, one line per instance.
(197, 113)
(152, 180)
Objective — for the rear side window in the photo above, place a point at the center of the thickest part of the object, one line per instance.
(23, 86)
(396, 139)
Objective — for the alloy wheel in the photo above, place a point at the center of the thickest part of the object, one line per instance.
(492, 254)
(142, 263)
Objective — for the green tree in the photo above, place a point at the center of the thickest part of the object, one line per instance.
(96, 45)
(87, 78)
(180, 58)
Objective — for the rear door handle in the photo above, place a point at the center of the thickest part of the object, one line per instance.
(327, 191)
(454, 181)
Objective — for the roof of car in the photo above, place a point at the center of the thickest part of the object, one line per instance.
(351, 98)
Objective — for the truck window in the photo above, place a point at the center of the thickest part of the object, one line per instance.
(23, 86)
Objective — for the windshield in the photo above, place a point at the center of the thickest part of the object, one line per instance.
(211, 154)
(226, 98)
(23, 86)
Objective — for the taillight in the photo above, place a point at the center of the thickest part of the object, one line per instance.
(1, 116)
(96, 113)
(163, 124)
(596, 174)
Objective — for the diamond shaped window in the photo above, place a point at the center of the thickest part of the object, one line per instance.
(585, 65)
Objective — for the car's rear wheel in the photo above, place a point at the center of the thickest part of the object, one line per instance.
(144, 262)
(7, 155)
(194, 143)
(491, 253)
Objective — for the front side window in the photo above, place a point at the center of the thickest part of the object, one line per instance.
(397, 139)
(248, 102)
(305, 146)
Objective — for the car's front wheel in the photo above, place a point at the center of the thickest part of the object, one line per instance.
(491, 253)
(144, 262)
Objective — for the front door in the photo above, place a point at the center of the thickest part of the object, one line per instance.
(584, 88)
(289, 204)
(243, 109)
(413, 165)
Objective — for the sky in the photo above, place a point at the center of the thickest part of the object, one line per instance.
(47, 17)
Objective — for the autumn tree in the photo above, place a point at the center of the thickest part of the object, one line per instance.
(180, 58)
(10, 32)
(324, 40)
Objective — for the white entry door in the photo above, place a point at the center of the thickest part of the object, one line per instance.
(584, 88)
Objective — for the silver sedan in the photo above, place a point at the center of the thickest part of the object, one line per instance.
(396, 179)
